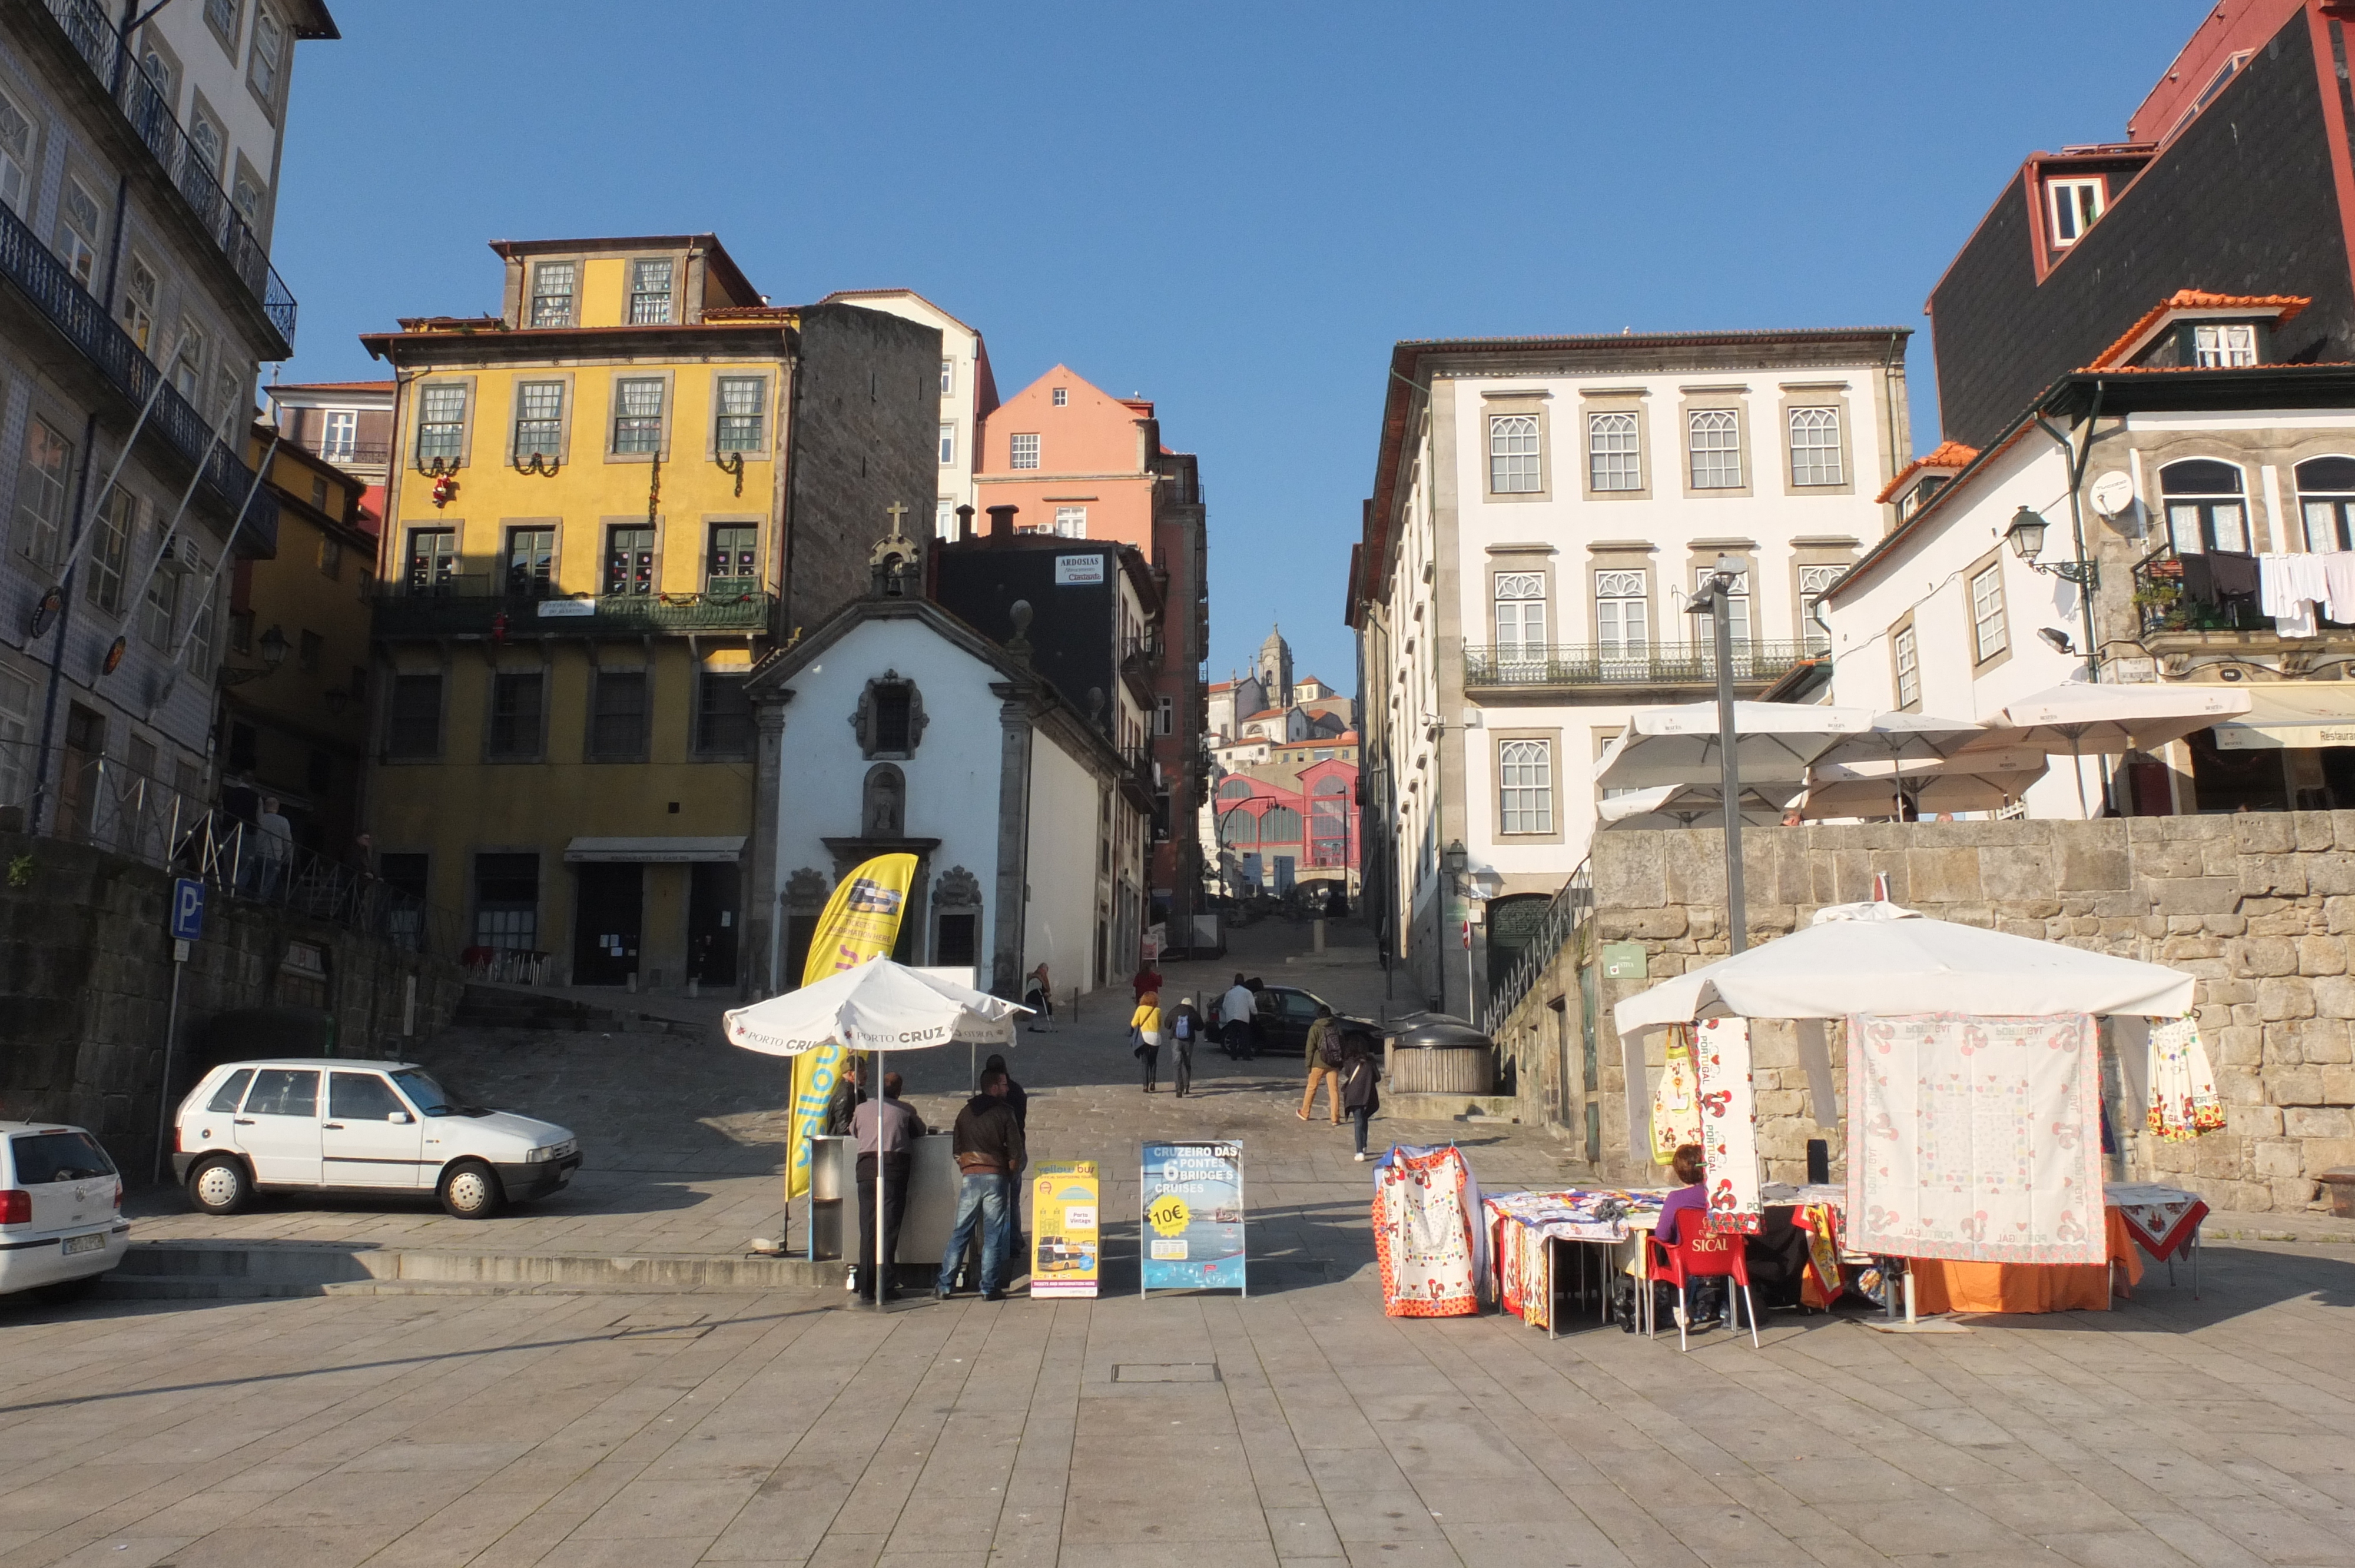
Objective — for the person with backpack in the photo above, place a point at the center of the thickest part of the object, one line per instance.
(1185, 1028)
(1325, 1061)
(1360, 1083)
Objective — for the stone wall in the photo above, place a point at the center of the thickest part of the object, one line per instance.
(86, 984)
(2260, 907)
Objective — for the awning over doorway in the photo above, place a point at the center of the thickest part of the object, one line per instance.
(2304, 715)
(657, 850)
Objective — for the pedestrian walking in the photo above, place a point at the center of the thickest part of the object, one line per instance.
(1324, 1062)
(884, 1132)
(1361, 1089)
(1145, 980)
(1144, 1038)
(1185, 1029)
(1041, 1000)
(990, 1154)
(1235, 1018)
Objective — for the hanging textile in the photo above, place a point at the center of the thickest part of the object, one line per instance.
(1676, 1104)
(2162, 1220)
(1423, 1206)
(1728, 1125)
(2339, 586)
(1820, 1286)
(1521, 1224)
(1975, 1139)
(2183, 1100)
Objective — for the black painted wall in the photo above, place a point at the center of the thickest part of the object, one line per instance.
(1073, 627)
(2242, 203)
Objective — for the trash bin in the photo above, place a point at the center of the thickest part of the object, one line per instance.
(1443, 1059)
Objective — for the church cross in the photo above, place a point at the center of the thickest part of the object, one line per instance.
(897, 510)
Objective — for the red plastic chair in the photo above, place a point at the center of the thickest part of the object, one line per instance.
(1700, 1253)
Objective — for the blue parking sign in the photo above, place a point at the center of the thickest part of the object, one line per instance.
(187, 909)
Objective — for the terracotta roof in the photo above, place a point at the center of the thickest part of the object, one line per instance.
(2285, 305)
(1265, 712)
(1949, 454)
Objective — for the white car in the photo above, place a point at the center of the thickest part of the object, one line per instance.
(60, 1208)
(386, 1127)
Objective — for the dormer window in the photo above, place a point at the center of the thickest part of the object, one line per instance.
(2075, 207)
(1920, 494)
(2224, 347)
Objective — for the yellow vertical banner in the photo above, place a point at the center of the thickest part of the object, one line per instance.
(861, 921)
(1065, 1248)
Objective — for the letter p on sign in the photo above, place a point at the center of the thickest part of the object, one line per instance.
(187, 909)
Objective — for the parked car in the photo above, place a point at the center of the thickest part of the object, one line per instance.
(386, 1127)
(61, 1221)
(1284, 1015)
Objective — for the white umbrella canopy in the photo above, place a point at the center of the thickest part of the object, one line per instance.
(2078, 717)
(1860, 789)
(879, 1006)
(1903, 737)
(1774, 744)
(1972, 780)
(1879, 958)
(1696, 805)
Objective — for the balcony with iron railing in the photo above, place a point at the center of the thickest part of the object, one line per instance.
(483, 604)
(1530, 667)
(1140, 664)
(2185, 603)
(82, 27)
(348, 454)
(50, 288)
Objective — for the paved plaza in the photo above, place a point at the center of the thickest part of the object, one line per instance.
(506, 1430)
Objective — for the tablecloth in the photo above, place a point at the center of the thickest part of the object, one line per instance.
(1521, 1224)
(1940, 1285)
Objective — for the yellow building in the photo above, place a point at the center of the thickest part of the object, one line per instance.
(605, 503)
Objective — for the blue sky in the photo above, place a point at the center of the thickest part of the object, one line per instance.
(1232, 209)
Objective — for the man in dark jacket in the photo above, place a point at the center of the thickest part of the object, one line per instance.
(885, 1136)
(990, 1154)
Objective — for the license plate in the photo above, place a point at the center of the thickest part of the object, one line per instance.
(95, 1242)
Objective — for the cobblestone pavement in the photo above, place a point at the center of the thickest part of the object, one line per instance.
(785, 1429)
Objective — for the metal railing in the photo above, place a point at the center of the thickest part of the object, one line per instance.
(1571, 909)
(148, 108)
(1626, 663)
(113, 806)
(35, 270)
(2162, 605)
(349, 454)
(479, 606)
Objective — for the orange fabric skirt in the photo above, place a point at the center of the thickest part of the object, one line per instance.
(1940, 1285)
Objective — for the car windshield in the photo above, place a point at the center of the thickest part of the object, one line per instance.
(431, 1097)
(46, 1157)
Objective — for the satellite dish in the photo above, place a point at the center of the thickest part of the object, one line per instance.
(2113, 493)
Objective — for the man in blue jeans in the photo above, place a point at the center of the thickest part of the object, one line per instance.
(990, 1153)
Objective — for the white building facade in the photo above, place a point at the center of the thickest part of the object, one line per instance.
(138, 185)
(1543, 509)
(968, 393)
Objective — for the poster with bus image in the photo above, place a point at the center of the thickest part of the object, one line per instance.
(1191, 1225)
(1065, 1247)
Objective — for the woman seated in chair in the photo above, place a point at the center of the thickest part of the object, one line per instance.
(1688, 1205)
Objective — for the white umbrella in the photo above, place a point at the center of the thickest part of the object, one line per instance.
(1773, 743)
(1860, 789)
(1878, 957)
(2079, 716)
(1903, 737)
(1972, 780)
(1684, 805)
(879, 1006)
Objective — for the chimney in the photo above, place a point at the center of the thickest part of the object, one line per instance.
(1001, 523)
(964, 524)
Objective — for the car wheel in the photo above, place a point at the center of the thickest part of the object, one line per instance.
(470, 1191)
(220, 1185)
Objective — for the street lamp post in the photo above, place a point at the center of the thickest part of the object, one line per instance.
(1712, 600)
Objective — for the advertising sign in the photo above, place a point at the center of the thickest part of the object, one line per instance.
(860, 921)
(1079, 571)
(1065, 1250)
(1191, 1227)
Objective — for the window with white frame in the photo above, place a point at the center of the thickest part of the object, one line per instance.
(553, 287)
(139, 290)
(2075, 206)
(638, 414)
(1816, 447)
(948, 444)
(339, 434)
(15, 156)
(948, 376)
(110, 553)
(80, 225)
(1525, 786)
(1515, 467)
(1165, 715)
(1989, 634)
(247, 194)
(539, 420)
(263, 66)
(188, 370)
(205, 141)
(1814, 583)
(1062, 397)
(2207, 506)
(944, 517)
(742, 414)
(441, 423)
(2226, 346)
(1713, 437)
(1622, 616)
(15, 732)
(2326, 497)
(1022, 452)
(223, 17)
(1072, 522)
(1520, 616)
(1905, 655)
(1612, 458)
(1737, 610)
(163, 608)
(41, 490)
(650, 291)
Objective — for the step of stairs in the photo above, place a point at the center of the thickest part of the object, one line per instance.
(226, 1270)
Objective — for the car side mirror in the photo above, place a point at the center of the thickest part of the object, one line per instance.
(399, 1119)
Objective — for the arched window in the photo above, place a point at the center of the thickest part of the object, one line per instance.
(1520, 616)
(2207, 506)
(2326, 497)
(1235, 789)
(1525, 786)
(1513, 456)
(1238, 827)
(1279, 825)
